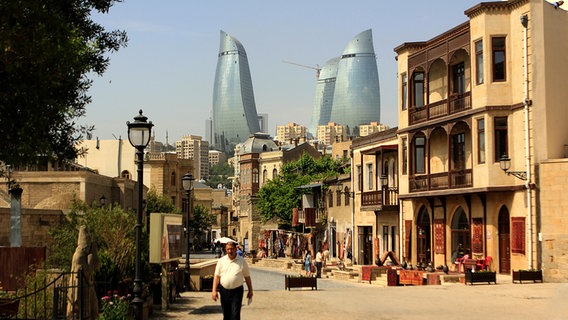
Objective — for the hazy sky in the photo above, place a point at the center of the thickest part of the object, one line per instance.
(169, 65)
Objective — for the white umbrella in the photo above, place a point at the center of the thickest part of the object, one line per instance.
(224, 240)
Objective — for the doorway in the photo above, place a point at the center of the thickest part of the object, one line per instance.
(366, 245)
(424, 237)
(504, 241)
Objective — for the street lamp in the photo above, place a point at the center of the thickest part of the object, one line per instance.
(505, 165)
(187, 184)
(139, 133)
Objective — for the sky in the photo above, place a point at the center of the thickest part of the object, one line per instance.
(168, 67)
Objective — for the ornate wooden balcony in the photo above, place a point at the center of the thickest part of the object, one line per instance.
(438, 109)
(380, 199)
(439, 181)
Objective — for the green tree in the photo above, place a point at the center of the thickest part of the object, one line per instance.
(47, 49)
(159, 203)
(219, 174)
(201, 221)
(279, 196)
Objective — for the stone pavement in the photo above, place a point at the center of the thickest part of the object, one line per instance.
(351, 300)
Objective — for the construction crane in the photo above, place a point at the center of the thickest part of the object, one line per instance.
(317, 67)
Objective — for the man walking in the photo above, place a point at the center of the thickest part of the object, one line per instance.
(230, 273)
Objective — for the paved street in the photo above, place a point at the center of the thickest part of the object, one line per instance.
(338, 299)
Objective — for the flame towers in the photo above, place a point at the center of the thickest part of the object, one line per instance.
(234, 110)
(348, 91)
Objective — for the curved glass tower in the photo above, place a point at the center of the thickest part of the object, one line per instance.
(234, 111)
(323, 100)
(356, 98)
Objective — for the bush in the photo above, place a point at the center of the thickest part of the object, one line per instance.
(115, 307)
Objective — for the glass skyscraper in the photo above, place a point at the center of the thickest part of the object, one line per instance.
(325, 89)
(234, 110)
(348, 91)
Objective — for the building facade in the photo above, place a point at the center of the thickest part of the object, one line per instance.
(486, 91)
(332, 132)
(367, 129)
(196, 149)
(291, 132)
(234, 110)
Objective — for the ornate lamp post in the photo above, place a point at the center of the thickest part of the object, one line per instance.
(139, 133)
(187, 183)
(505, 165)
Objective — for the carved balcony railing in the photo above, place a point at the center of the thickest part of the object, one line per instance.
(440, 181)
(456, 103)
(384, 197)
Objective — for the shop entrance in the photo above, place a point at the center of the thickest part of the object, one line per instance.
(504, 241)
(365, 245)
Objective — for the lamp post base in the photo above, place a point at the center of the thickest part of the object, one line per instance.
(186, 281)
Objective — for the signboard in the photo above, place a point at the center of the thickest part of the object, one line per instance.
(166, 236)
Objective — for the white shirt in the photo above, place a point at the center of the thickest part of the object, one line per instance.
(232, 272)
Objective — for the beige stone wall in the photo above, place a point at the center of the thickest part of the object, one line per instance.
(552, 187)
(35, 226)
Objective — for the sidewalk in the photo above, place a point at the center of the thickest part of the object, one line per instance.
(504, 300)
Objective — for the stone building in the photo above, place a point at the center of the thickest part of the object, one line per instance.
(484, 94)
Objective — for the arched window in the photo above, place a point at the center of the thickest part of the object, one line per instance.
(173, 179)
(125, 174)
(424, 236)
(461, 234)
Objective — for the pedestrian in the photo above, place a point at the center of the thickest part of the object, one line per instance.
(240, 251)
(230, 273)
(319, 263)
(308, 263)
(218, 249)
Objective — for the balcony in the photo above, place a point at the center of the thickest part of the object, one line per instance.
(454, 179)
(379, 199)
(311, 216)
(456, 103)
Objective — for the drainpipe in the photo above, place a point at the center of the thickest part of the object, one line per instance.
(352, 213)
(527, 103)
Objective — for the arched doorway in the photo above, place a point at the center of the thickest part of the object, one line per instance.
(504, 241)
(424, 236)
(461, 234)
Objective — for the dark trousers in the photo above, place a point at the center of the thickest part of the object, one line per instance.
(318, 269)
(231, 301)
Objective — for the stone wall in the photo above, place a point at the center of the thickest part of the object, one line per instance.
(35, 226)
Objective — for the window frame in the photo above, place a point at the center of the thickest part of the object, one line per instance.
(495, 49)
(481, 152)
(416, 158)
(404, 156)
(415, 83)
(501, 132)
(479, 72)
(404, 90)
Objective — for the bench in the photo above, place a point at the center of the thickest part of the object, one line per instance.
(300, 282)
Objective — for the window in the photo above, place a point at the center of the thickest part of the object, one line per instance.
(404, 156)
(419, 155)
(369, 176)
(498, 47)
(274, 173)
(338, 195)
(481, 140)
(458, 151)
(264, 176)
(479, 62)
(173, 179)
(458, 72)
(255, 175)
(500, 137)
(347, 195)
(418, 89)
(329, 199)
(359, 178)
(404, 91)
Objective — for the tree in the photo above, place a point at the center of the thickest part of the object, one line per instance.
(47, 49)
(159, 203)
(219, 174)
(279, 196)
(201, 221)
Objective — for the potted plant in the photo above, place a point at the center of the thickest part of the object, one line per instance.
(527, 275)
(299, 281)
(480, 276)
